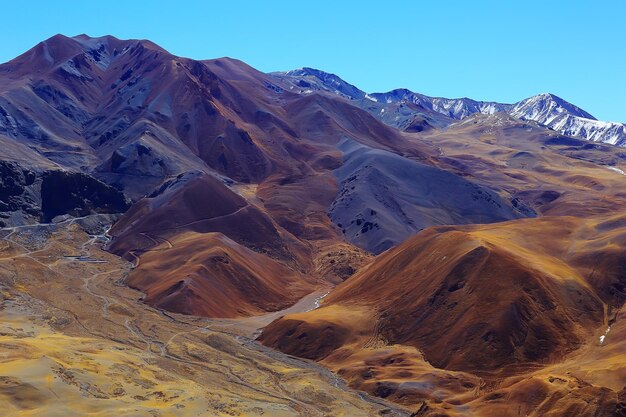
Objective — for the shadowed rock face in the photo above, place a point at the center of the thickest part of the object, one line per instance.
(27, 196)
(15, 184)
(78, 195)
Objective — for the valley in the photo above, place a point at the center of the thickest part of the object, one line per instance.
(76, 340)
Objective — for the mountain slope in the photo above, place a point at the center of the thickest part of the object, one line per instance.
(207, 274)
(385, 198)
(197, 202)
(478, 303)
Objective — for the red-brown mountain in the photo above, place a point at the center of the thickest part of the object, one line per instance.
(453, 308)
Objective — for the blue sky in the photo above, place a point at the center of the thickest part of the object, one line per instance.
(488, 50)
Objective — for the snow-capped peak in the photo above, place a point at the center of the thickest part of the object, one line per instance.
(547, 106)
(567, 119)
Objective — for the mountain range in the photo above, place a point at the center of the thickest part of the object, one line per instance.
(189, 229)
(546, 109)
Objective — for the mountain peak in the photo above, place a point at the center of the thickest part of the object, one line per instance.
(59, 49)
(308, 79)
(549, 101)
(85, 37)
(568, 119)
(44, 55)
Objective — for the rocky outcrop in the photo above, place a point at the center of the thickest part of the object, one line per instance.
(27, 196)
(78, 194)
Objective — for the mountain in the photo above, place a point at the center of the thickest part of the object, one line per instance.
(306, 80)
(193, 273)
(543, 108)
(547, 109)
(571, 251)
(568, 119)
(478, 304)
(186, 141)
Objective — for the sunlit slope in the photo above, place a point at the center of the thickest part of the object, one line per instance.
(207, 274)
(465, 309)
(553, 174)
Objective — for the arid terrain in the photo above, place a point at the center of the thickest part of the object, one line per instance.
(183, 237)
(76, 341)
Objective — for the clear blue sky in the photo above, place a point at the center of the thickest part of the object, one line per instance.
(489, 50)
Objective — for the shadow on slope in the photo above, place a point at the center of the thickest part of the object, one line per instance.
(384, 198)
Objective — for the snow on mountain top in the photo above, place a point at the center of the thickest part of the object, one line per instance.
(546, 103)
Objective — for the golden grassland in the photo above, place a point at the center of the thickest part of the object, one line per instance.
(76, 341)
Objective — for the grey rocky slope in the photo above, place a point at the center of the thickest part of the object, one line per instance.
(384, 198)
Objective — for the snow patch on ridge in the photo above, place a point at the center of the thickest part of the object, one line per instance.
(619, 171)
